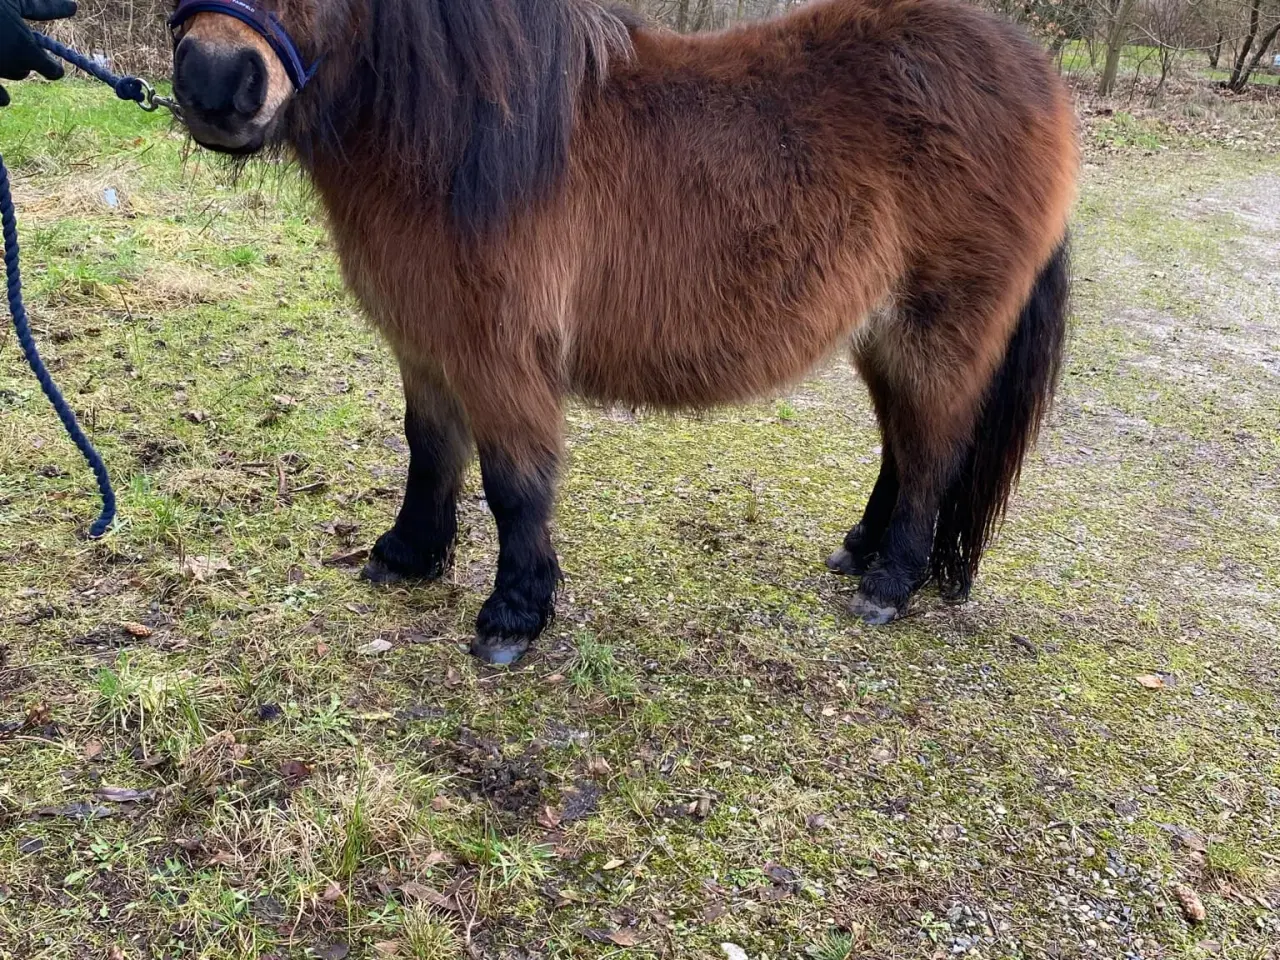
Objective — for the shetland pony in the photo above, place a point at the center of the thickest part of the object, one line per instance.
(535, 198)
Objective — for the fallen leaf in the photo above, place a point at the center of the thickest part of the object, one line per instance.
(733, 952)
(420, 891)
(347, 558)
(376, 647)
(555, 678)
(196, 416)
(816, 822)
(441, 803)
(778, 873)
(452, 677)
(713, 912)
(614, 864)
(140, 630)
(386, 948)
(1190, 903)
(116, 952)
(624, 937)
(77, 811)
(91, 750)
(322, 648)
(332, 893)
(38, 715)
(599, 767)
(125, 794)
(201, 569)
(295, 771)
(223, 858)
(1185, 837)
(549, 817)
(334, 951)
(1152, 681)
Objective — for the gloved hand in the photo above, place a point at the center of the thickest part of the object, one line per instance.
(19, 53)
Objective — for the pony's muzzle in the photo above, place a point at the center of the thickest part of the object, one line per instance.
(222, 91)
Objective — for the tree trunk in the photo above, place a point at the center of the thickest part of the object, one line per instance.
(1235, 83)
(1117, 33)
(682, 15)
(1263, 47)
(704, 15)
(1215, 52)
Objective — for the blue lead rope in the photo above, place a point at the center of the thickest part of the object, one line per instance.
(22, 327)
(126, 88)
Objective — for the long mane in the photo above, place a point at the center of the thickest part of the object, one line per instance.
(473, 99)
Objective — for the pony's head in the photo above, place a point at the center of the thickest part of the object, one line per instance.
(237, 65)
(470, 99)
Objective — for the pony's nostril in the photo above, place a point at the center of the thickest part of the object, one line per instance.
(252, 90)
(218, 83)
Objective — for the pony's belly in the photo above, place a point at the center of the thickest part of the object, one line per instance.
(679, 376)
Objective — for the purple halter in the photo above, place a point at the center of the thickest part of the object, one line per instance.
(263, 23)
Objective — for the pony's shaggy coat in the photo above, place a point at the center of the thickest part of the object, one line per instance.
(537, 197)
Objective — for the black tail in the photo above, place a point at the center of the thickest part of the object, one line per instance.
(1017, 401)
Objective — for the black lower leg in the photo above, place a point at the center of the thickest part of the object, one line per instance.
(420, 545)
(862, 544)
(902, 566)
(523, 599)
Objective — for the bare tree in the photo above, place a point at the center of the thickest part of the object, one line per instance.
(1246, 64)
(1119, 14)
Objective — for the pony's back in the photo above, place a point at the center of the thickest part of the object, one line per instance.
(744, 199)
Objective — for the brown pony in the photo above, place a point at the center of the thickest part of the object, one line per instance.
(533, 198)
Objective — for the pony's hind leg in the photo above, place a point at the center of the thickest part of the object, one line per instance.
(861, 546)
(420, 544)
(927, 369)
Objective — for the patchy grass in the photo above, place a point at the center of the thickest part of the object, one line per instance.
(704, 749)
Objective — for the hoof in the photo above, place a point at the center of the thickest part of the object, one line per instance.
(394, 561)
(848, 564)
(872, 613)
(380, 572)
(500, 651)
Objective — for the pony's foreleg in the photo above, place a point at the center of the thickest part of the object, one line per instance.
(521, 497)
(517, 422)
(420, 545)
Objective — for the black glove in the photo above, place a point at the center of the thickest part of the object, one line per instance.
(19, 53)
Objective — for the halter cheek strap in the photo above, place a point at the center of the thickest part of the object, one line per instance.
(265, 24)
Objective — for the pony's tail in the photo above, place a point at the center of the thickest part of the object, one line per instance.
(1016, 403)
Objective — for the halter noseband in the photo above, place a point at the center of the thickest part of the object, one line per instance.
(265, 25)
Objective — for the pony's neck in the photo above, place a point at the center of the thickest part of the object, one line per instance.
(469, 100)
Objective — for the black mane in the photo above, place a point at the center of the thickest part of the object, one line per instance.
(473, 98)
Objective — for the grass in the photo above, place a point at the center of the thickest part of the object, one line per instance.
(704, 750)
(1144, 60)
